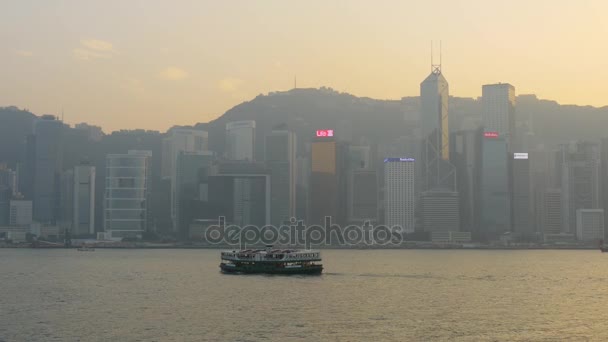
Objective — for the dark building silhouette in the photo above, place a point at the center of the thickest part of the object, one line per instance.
(46, 162)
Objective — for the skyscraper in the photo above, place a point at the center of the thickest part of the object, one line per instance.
(399, 193)
(542, 178)
(495, 187)
(590, 225)
(361, 182)
(327, 189)
(65, 219)
(498, 112)
(6, 193)
(280, 157)
(240, 140)
(363, 196)
(47, 167)
(436, 168)
(604, 176)
(83, 221)
(551, 223)
(180, 140)
(520, 199)
(126, 196)
(498, 121)
(302, 186)
(240, 191)
(466, 156)
(580, 180)
(192, 188)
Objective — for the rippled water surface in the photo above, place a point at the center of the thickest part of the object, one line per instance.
(400, 295)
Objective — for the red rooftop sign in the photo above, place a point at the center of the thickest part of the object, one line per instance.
(325, 133)
(490, 134)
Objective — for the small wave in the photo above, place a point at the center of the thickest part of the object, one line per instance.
(411, 276)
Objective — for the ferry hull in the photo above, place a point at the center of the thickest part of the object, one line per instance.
(270, 269)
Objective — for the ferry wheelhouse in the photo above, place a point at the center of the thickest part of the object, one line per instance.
(271, 261)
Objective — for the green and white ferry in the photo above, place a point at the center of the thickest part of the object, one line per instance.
(271, 261)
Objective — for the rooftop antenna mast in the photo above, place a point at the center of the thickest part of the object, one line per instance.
(295, 82)
(431, 56)
(436, 68)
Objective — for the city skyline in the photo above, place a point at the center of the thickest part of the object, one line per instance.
(181, 67)
(402, 170)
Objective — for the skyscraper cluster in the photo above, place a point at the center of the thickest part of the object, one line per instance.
(440, 178)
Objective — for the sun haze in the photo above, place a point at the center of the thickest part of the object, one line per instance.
(153, 64)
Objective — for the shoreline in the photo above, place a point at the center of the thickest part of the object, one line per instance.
(231, 247)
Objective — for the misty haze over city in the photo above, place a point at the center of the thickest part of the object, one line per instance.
(368, 171)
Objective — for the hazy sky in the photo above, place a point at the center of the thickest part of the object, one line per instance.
(153, 64)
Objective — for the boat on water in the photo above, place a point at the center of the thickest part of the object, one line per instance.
(271, 261)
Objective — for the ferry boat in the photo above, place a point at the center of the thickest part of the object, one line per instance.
(271, 261)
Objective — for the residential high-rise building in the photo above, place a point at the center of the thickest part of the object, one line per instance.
(179, 140)
(83, 221)
(580, 180)
(240, 140)
(126, 195)
(590, 225)
(46, 169)
(520, 200)
(280, 157)
(399, 193)
(327, 189)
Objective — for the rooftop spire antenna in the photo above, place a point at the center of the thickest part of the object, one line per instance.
(431, 56)
(440, 54)
(295, 82)
(436, 68)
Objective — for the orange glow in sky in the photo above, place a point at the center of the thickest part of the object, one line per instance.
(154, 64)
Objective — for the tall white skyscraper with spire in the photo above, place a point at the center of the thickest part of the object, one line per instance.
(434, 123)
(438, 173)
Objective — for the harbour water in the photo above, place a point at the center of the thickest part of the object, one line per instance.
(393, 295)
